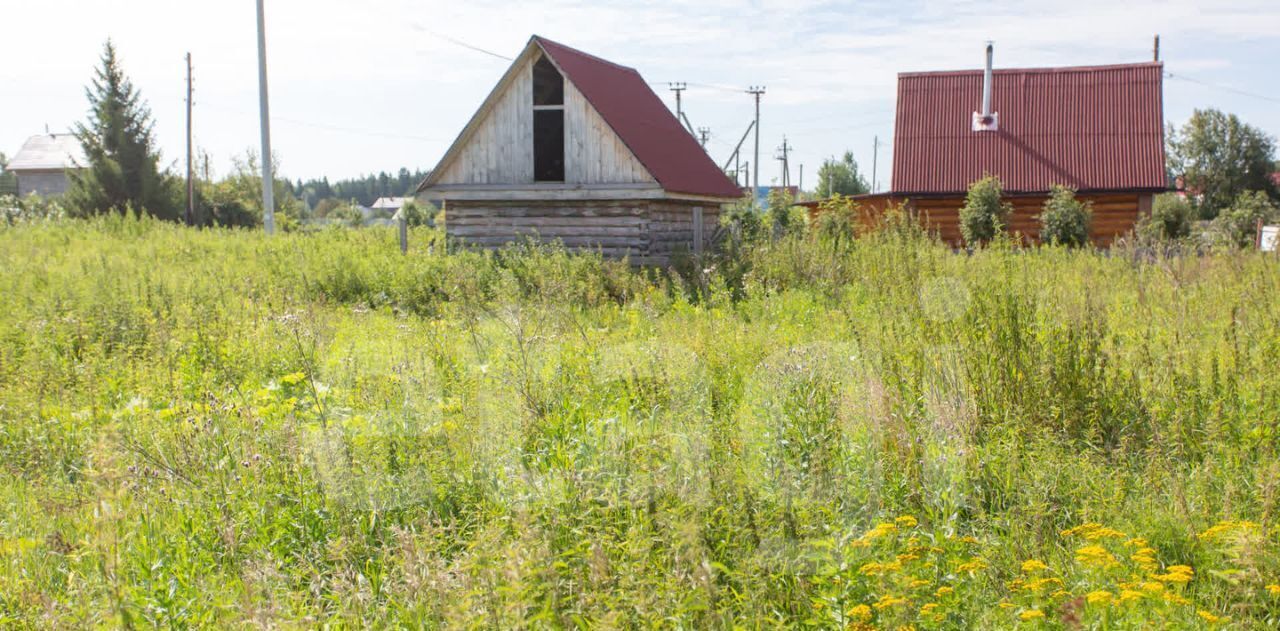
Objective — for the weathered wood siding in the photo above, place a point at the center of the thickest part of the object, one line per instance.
(648, 231)
(1114, 214)
(500, 148)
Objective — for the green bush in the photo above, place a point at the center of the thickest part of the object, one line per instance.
(1065, 219)
(1170, 219)
(983, 215)
(1238, 224)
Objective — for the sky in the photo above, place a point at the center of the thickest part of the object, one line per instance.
(362, 87)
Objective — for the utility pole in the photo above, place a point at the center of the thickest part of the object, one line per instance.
(1155, 52)
(875, 159)
(191, 187)
(756, 91)
(800, 185)
(831, 168)
(704, 134)
(268, 181)
(786, 167)
(679, 87)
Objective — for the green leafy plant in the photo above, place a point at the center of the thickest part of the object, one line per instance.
(1171, 219)
(983, 215)
(1065, 220)
(1238, 224)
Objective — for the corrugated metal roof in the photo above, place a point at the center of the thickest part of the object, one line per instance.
(1090, 127)
(48, 152)
(643, 122)
(388, 203)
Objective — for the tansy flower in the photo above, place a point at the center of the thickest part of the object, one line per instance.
(1129, 595)
(1062, 593)
(1093, 531)
(888, 600)
(1031, 566)
(919, 582)
(1005, 605)
(1208, 617)
(1153, 587)
(860, 612)
(1227, 527)
(1273, 589)
(1100, 597)
(943, 591)
(1180, 574)
(972, 565)
(1095, 556)
(928, 608)
(1031, 614)
(905, 521)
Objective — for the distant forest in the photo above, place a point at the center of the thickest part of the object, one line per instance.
(364, 191)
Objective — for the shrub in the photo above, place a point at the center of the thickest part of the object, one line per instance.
(837, 221)
(1065, 220)
(418, 214)
(983, 215)
(1170, 219)
(1238, 224)
(783, 216)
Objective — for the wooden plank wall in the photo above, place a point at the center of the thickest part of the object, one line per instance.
(500, 151)
(648, 231)
(1114, 214)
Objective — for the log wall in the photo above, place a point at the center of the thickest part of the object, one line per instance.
(647, 231)
(1114, 214)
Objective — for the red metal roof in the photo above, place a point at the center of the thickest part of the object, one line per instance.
(1094, 128)
(643, 122)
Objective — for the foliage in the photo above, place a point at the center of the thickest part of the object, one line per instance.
(30, 208)
(782, 215)
(839, 220)
(983, 215)
(418, 214)
(1065, 219)
(236, 200)
(313, 429)
(365, 190)
(1170, 219)
(123, 169)
(8, 181)
(1220, 157)
(841, 178)
(1238, 224)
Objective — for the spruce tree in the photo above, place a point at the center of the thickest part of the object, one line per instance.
(123, 170)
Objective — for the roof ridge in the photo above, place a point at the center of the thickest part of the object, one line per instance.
(1035, 70)
(543, 40)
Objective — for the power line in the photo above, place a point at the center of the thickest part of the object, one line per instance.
(1223, 87)
(332, 128)
(458, 42)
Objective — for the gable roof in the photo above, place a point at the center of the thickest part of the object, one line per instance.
(1091, 127)
(49, 152)
(634, 112)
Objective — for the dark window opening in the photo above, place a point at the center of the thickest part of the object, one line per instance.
(548, 145)
(548, 85)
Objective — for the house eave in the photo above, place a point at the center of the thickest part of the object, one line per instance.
(558, 192)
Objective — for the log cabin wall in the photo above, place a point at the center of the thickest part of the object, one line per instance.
(1114, 214)
(647, 231)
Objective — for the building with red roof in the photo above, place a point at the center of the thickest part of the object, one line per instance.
(572, 148)
(1097, 129)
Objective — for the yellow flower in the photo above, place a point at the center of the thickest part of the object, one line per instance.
(1093, 531)
(1041, 583)
(1208, 617)
(888, 600)
(969, 540)
(881, 530)
(928, 608)
(1031, 614)
(1273, 589)
(1005, 605)
(1100, 597)
(870, 569)
(1062, 593)
(860, 612)
(905, 521)
(1180, 574)
(1130, 595)
(972, 565)
(919, 582)
(1224, 528)
(1176, 599)
(1095, 556)
(1153, 587)
(1031, 566)
(944, 591)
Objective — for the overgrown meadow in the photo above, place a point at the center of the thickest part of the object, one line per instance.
(219, 428)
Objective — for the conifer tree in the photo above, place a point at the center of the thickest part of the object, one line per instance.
(123, 170)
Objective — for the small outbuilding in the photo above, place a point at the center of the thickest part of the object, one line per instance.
(43, 164)
(1097, 129)
(571, 148)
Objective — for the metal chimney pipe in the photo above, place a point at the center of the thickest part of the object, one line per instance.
(986, 85)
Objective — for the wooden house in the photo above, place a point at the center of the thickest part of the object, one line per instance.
(44, 163)
(569, 147)
(1098, 129)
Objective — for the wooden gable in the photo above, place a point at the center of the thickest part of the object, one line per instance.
(496, 149)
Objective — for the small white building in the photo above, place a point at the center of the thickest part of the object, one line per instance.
(43, 163)
(389, 205)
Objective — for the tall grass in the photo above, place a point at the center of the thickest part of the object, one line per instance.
(216, 428)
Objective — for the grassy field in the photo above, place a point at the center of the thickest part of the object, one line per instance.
(218, 428)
